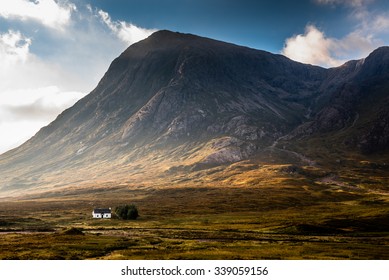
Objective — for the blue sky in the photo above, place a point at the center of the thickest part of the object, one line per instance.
(53, 52)
(260, 24)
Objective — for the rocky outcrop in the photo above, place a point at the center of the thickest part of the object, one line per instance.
(229, 150)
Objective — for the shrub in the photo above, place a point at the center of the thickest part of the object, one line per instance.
(127, 212)
(72, 231)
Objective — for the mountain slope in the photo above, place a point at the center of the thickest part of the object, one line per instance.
(177, 100)
(354, 106)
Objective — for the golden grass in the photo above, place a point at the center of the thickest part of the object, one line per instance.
(248, 210)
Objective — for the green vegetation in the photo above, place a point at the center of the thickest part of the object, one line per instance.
(127, 212)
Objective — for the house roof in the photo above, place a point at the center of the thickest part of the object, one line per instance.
(101, 210)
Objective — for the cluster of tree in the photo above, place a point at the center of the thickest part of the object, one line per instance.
(127, 212)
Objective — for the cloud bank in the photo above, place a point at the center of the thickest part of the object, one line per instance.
(50, 13)
(23, 112)
(127, 32)
(54, 54)
(14, 48)
(312, 47)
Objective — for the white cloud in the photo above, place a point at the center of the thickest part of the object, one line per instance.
(89, 7)
(52, 14)
(312, 47)
(48, 99)
(127, 32)
(19, 68)
(356, 45)
(380, 23)
(352, 3)
(14, 47)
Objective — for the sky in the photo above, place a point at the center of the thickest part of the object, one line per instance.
(54, 52)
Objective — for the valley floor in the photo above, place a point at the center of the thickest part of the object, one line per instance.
(294, 217)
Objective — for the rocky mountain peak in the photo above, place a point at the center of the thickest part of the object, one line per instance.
(177, 97)
(376, 65)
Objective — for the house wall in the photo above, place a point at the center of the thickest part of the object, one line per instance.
(99, 216)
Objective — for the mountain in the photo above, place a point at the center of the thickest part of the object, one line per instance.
(181, 103)
(354, 104)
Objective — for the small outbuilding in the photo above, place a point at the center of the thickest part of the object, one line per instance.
(102, 213)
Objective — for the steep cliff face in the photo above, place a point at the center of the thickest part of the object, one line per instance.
(179, 99)
(352, 104)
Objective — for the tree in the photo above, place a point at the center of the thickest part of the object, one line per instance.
(127, 212)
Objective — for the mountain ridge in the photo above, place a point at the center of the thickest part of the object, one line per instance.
(182, 100)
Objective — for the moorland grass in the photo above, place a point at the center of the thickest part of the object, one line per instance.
(245, 211)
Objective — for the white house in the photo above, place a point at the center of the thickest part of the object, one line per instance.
(102, 213)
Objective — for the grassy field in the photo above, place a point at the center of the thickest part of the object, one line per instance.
(244, 211)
